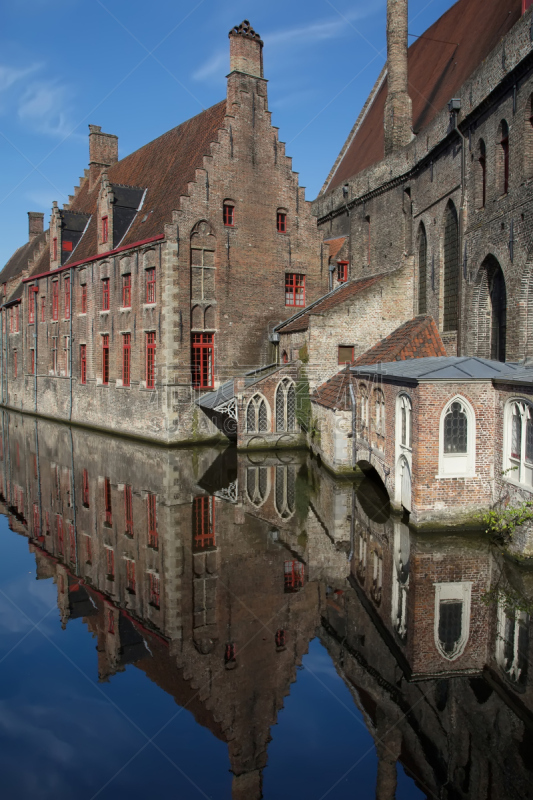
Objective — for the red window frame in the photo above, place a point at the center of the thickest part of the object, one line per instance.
(150, 359)
(126, 290)
(105, 294)
(85, 488)
(43, 309)
(31, 305)
(84, 298)
(294, 290)
(110, 562)
(202, 360)
(67, 247)
(128, 510)
(105, 359)
(150, 285)
(17, 318)
(105, 229)
(281, 222)
(294, 574)
(342, 271)
(55, 301)
(54, 249)
(155, 596)
(72, 544)
(32, 361)
(203, 523)
(130, 575)
(83, 363)
(126, 358)
(228, 214)
(67, 298)
(345, 347)
(107, 502)
(15, 363)
(153, 540)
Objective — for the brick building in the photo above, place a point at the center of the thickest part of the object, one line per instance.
(165, 273)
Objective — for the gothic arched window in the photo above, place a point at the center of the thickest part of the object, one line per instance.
(457, 436)
(519, 441)
(286, 406)
(422, 270)
(257, 415)
(451, 269)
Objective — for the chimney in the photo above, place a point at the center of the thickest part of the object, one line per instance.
(398, 111)
(35, 224)
(245, 50)
(103, 152)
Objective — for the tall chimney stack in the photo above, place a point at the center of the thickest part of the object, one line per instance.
(398, 109)
(245, 50)
(103, 152)
(35, 224)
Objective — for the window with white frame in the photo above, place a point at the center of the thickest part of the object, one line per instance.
(363, 411)
(286, 406)
(457, 439)
(257, 484)
(257, 415)
(519, 441)
(285, 490)
(512, 643)
(404, 409)
(452, 618)
(379, 406)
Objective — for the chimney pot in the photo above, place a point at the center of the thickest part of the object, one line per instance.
(246, 50)
(103, 152)
(35, 224)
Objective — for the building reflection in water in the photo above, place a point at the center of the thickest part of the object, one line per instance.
(211, 571)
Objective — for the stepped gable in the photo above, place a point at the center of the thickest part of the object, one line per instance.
(300, 321)
(452, 48)
(417, 338)
(163, 167)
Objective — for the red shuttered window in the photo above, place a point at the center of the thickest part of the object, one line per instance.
(150, 360)
(126, 358)
(83, 363)
(281, 222)
(229, 214)
(126, 291)
(152, 521)
(202, 360)
(17, 318)
(150, 285)
(84, 298)
(55, 300)
(54, 249)
(105, 294)
(128, 510)
(67, 298)
(342, 271)
(294, 289)
(105, 359)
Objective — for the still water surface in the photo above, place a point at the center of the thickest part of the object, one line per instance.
(211, 624)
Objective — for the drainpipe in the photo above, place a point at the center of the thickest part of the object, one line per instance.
(331, 271)
(71, 345)
(35, 339)
(454, 107)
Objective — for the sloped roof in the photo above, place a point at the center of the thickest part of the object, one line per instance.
(335, 393)
(300, 321)
(450, 368)
(439, 63)
(335, 245)
(163, 167)
(19, 260)
(417, 338)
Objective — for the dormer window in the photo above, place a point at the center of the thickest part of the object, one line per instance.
(281, 222)
(105, 229)
(342, 271)
(229, 214)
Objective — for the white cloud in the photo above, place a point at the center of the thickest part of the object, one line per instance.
(43, 107)
(10, 75)
(322, 29)
(213, 67)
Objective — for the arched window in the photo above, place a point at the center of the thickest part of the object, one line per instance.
(457, 439)
(498, 302)
(422, 269)
(405, 420)
(286, 406)
(490, 311)
(377, 577)
(503, 158)
(281, 220)
(452, 618)
(400, 579)
(512, 643)
(379, 413)
(257, 415)
(228, 213)
(481, 175)
(284, 496)
(451, 269)
(363, 411)
(257, 484)
(519, 441)
(284, 357)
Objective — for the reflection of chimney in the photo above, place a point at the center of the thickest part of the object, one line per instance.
(245, 50)
(398, 110)
(35, 224)
(103, 152)
(247, 786)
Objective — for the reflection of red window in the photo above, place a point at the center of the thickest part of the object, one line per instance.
(130, 575)
(229, 214)
(107, 501)
(152, 520)
(86, 488)
(342, 271)
(110, 562)
(84, 298)
(110, 621)
(294, 576)
(128, 510)
(105, 359)
(154, 590)
(67, 298)
(230, 653)
(60, 536)
(203, 523)
(294, 289)
(72, 543)
(83, 363)
(36, 520)
(202, 360)
(47, 522)
(126, 358)
(88, 550)
(15, 364)
(150, 360)
(126, 291)
(150, 285)
(280, 638)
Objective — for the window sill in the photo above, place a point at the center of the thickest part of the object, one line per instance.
(519, 485)
(456, 477)
(122, 309)
(82, 314)
(105, 312)
(148, 305)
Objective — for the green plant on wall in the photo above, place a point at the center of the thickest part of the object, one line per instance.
(501, 523)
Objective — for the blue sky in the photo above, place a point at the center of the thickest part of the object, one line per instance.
(140, 68)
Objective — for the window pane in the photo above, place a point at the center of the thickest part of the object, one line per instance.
(455, 430)
(450, 624)
(516, 437)
(529, 441)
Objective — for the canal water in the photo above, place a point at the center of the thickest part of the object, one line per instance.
(202, 623)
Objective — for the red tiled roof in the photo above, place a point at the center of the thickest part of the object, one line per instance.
(344, 292)
(335, 245)
(163, 167)
(20, 258)
(417, 338)
(437, 70)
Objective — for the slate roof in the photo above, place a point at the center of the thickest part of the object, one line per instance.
(437, 69)
(226, 392)
(449, 368)
(19, 260)
(335, 245)
(300, 320)
(417, 338)
(163, 167)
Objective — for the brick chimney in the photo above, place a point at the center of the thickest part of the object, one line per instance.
(245, 50)
(35, 224)
(103, 152)
(398, 110)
